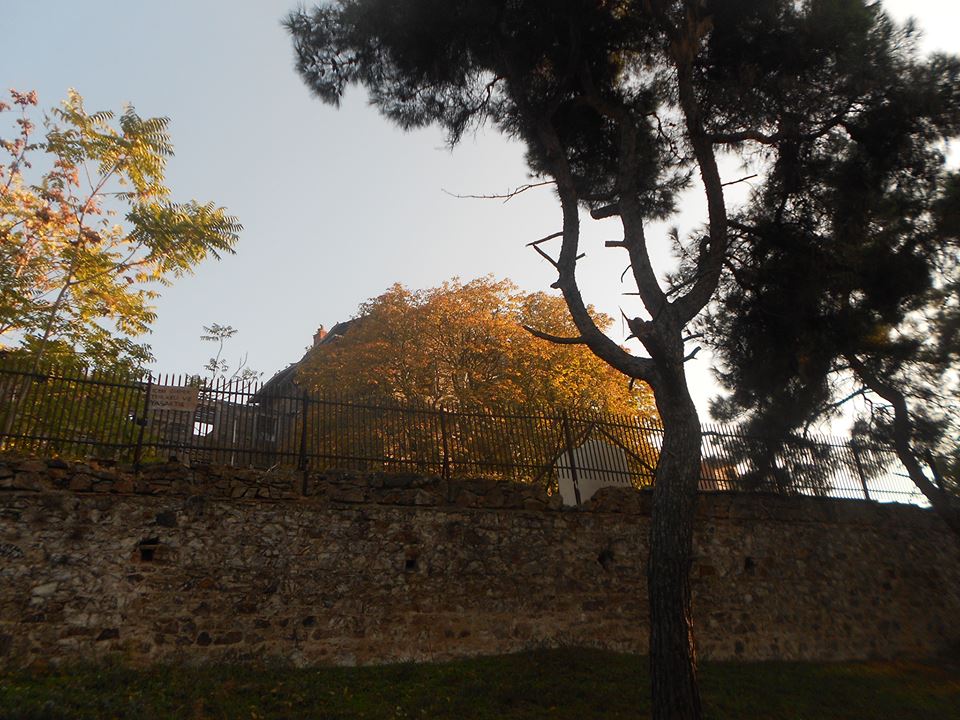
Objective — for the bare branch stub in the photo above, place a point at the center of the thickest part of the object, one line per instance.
(544, 239)
(546, 257)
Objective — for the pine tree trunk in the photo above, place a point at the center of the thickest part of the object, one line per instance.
(673, 666)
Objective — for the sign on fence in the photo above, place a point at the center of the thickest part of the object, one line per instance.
(173, 397)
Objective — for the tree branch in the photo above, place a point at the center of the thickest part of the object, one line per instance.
(712, 253)
(594, 338)
(607, 211)
(772, 138)
(546, 257)
(848, 398)
(744, 135)
(903, 441)
(554, 338)
(544, 239)
(506, 197)
(743, 179)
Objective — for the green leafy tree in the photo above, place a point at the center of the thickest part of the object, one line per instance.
(73, 410)
(89, 231)
(620, 104)
(845, 281)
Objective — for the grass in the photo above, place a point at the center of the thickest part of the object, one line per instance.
(562, 684)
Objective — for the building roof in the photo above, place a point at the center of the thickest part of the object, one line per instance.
(285, 380)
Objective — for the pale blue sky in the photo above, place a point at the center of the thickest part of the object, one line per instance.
(336, 204)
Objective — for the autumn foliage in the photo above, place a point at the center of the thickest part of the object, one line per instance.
(89, 232)
(464, 346)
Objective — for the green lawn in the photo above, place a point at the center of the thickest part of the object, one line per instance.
(568, 683)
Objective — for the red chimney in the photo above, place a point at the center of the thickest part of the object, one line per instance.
(319, 335)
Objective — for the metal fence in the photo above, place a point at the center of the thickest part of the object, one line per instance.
(142, 419)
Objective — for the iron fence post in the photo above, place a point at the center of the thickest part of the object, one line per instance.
(445, 446)
(863, 477)
(302, 460)
(142, 422)
(568, 439)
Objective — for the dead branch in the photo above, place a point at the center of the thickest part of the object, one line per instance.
(546, 257)
(743, 179)
(544, 239)
(506, 197)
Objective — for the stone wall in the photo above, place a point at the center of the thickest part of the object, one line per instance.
(206, 564)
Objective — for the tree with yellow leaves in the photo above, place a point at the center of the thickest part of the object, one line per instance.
(465, 346)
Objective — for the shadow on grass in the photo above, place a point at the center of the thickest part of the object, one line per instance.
(565, 684)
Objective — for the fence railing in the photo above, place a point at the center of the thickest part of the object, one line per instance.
(140, 419)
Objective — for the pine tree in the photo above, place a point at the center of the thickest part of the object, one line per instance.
(845, 279)
(621, 104)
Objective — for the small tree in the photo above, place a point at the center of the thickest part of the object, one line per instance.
(86, 241)
(217, 366)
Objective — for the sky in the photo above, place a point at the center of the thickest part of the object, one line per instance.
(336, 204)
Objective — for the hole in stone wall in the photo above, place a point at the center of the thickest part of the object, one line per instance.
(148, 548)
(749, 565)
(605, 558)
(410, 564)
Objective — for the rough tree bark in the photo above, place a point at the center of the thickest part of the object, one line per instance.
(673, 662)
